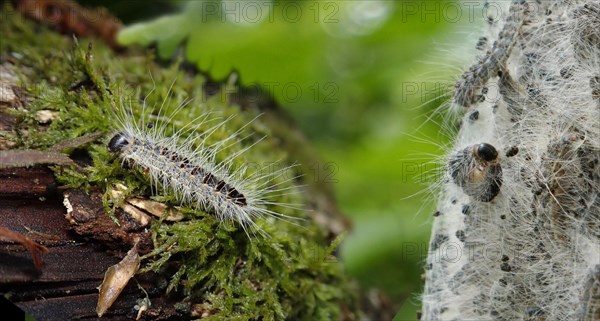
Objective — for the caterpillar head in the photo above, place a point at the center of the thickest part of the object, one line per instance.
(485, 152)
(477, 171)
(119, 142)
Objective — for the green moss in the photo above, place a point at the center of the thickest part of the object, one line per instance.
(284, 276)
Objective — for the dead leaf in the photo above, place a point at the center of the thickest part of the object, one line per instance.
(137, 206)
(116, 278)
(157, 209)
(46, 116)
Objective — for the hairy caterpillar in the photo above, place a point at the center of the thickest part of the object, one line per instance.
(185, 164)
(478, 74)
(477, 171)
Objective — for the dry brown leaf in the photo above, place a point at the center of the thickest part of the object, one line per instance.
(116, 278)
(157, 209)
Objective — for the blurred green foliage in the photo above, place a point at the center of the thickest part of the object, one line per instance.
(351, 74)
(328, 61)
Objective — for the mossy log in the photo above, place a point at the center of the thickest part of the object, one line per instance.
(57, 97)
